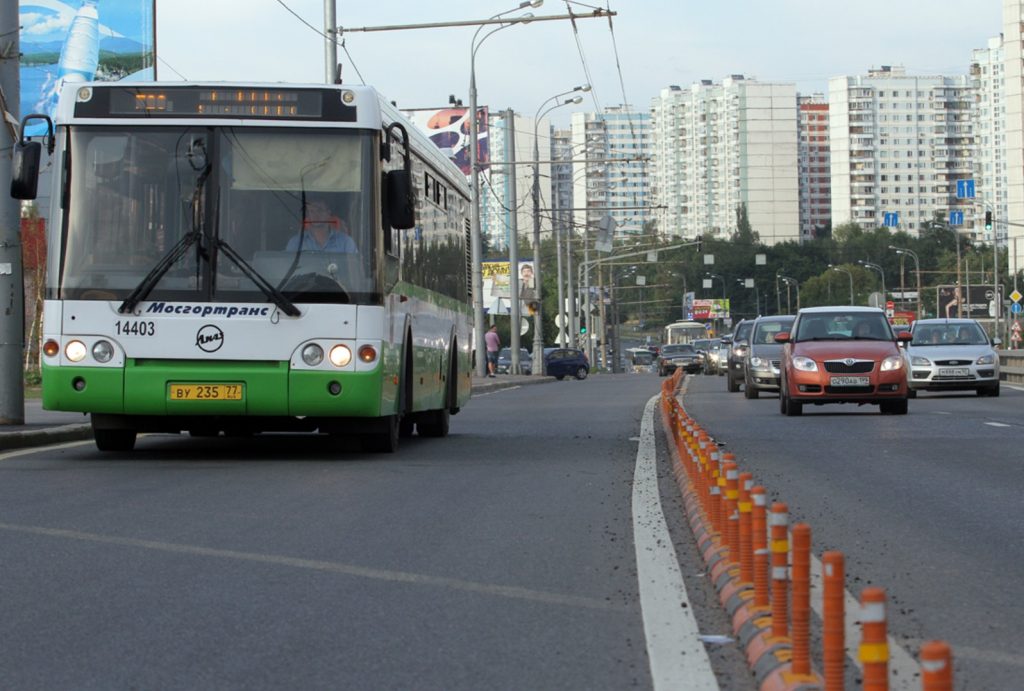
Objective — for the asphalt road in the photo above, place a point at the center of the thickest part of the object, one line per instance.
(501, 557)
(926, 505)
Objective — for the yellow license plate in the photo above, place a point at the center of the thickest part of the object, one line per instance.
(204, 392)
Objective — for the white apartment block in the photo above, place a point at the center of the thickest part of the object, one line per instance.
(496, 202)
(1013, 73)
(717, 146)
(610, 170)
(990, 174)
(899, 144)
(815, 174)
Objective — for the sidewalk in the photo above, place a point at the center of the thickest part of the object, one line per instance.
(44, 427)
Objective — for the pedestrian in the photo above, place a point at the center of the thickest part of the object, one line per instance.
(493, 346)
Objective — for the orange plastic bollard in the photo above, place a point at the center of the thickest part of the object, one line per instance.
(801, 614)
(732, 510)
(874, 647)
(714, 490)
(746, 551)
(833, 620)
(759, 544)
(779, 524)
(936, 666)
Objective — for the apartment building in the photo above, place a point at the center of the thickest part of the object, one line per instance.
(815, 182)
(716, 146)
(1013, 74)
(989, 118)
(898, 144)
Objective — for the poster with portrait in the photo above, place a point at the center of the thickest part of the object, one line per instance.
(80, 41)
(449, 129)
(969, 302)
(497, 286)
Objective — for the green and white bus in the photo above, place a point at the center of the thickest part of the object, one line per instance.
(179, 297)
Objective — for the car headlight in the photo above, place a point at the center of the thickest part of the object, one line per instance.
(739, 351)
(989, 359)
(805, 364)
(892, 363)
(757, 363)
(918, 361)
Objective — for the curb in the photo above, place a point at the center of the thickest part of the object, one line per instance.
(43, 437)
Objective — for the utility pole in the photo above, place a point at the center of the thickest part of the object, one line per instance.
(513, 245)
(12, 285)
(331, 72)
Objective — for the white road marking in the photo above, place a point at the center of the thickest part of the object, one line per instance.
(49, 447)
(504, 388)
(904, 672)
(997, 424)
(677, 656)
(1011, 386)
(508, 591)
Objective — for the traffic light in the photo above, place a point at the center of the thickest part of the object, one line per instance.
(988, 220)
(583, 328)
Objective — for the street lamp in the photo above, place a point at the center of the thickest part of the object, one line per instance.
(538, 341)
(880, 270)
(790, 281)
(849, 274)
(917, 270)
(476, 245)
(751, 283)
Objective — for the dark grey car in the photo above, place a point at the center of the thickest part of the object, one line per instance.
(761, 363)
(737, 351)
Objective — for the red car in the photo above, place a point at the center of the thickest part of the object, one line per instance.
(842, 355)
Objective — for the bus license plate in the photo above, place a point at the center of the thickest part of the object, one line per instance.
(204, 392)
(954, 372)
(851, 381)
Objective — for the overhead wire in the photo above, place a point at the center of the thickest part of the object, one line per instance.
(334, 38)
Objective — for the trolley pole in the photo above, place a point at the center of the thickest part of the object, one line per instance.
(12, 285)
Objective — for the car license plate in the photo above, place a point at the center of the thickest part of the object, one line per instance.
(851, 381)
(954, 372)
(204, 392)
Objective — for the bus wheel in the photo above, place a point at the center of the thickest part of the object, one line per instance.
(405, 426)
(385, 441)
(434, 423)
(114, 439)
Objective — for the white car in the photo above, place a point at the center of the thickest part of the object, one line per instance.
(952, 355)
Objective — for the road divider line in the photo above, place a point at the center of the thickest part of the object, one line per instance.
(997, 424)
(7, 455)
(677, 656)
(492, 589)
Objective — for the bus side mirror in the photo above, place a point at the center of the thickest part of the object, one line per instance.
(25, 169)
(401, 207)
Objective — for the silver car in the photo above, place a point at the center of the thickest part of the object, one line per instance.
(761, 363)
(952, 355)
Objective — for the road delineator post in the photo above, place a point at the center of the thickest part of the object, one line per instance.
(801, 616)
(778, 521)
(833, 620)
(759, 544)
(874, 646)
(732, 516)
(746, 550)
(936, 666)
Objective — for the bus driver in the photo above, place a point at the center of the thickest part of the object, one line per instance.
(322, 231)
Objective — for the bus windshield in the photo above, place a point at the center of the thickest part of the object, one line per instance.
(251, 211)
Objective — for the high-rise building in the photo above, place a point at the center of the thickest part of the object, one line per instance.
(719, 146)
(899, 143)
(609, 154)
(815, 175)
(989, 113)
(1013, 73)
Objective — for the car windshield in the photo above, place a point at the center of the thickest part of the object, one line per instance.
(843, 326)
(678, 349)
(949, 334)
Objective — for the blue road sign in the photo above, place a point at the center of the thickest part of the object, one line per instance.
(1015, 308)
(956, 218)
(891, 219)
(965, 189)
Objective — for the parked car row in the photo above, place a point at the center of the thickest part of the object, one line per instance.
(853, 355)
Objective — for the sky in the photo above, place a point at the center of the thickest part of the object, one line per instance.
(652, 43)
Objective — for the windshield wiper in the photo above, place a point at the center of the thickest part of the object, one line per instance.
(174, 254)
(275, 295)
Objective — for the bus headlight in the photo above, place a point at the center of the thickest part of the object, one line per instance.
(102, 351)
(75, 351)
(340, 355)
(312, 355)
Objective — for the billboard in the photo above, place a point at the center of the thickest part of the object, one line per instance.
(969, 302)
(79, 41)
(448, 128)
(710, 309)
(497, 278)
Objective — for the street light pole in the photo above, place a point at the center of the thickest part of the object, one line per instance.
(850, 275)
(789, 281)
(476, 241)
(880, 270)
(917, 270)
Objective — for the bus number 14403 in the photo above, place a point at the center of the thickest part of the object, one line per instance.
(135, 328)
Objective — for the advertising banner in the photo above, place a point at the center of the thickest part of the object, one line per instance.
(969, 302)
(80, 41)
(710, 309)
(497, 278)
(449, 129)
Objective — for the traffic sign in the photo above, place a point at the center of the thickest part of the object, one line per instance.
(1016, 327)
(965, 189)
(891, 219)
(956, 218)
(1016, 296)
